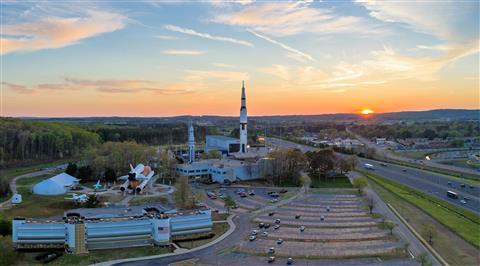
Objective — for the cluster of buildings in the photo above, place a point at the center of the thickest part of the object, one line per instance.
(80, 233)
(239, 161)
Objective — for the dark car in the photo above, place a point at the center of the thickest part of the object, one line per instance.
(271, 213)
(297, 216)
(283, 191)
(261, 225)
(462, 185)
(266, 226)
(290, 261)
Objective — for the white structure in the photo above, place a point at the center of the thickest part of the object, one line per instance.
(56, 185)
(16, 199)
(223, 144)
(243, 122)
(191, 144)
(137, 178)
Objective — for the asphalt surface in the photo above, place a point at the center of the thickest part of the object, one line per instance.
(429, 182)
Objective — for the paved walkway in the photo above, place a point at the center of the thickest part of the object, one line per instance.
(415, 247)
(13, 182)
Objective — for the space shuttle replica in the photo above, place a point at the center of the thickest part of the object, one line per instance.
(137, 178)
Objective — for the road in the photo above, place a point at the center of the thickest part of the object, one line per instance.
(13, 182)
(415, 246)
(210, 255)
(429, 182)
(387, 154)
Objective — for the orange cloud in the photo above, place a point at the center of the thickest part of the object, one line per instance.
(56, 32)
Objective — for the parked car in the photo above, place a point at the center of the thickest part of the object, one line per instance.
(271, 259)
(449, 183)
(276, 227)
(290, 261)
(404, 170)
(252, 238)
(254, 232)
(322, 218)
(251, 192)
(302, 228)
(277, 221)
(271, 250)
(283, 191)
(274, 200)
(266, 226)
(463, 202)
(265, 234)
(297, 216)
(271, 213)
(279, 241)
(261, 225)
(243, 194)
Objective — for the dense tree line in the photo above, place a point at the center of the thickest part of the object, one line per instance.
(23, 141)
(153, 134)
(429, 130)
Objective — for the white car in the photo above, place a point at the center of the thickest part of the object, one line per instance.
(302, 228)
(254, 232)
(265, 234)
(463, 202)
(252, 238)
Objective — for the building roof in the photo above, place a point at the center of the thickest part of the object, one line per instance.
(224, 138)
(55, 185)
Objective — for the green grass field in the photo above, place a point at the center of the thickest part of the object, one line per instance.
(337, 182)
(463, 222)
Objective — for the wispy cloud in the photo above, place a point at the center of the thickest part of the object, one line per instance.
(294, 53)
(440, 19)
(104, 86)
(55, 32)
(183, 52)
(165, 37)
(206, 35)
(290, 18)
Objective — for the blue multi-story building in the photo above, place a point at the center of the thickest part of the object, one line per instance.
(79, 234)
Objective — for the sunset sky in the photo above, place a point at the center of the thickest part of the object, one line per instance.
(173, 58)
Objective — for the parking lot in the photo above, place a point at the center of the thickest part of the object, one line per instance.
(321, 226)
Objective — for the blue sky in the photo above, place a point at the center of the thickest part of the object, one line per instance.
(158, 58)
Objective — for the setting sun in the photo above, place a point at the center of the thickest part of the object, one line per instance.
(367, 111)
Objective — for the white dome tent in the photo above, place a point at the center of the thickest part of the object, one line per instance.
(55, 185)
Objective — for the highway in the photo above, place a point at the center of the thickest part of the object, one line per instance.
(428, 182)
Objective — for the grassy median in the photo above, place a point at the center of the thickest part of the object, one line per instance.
(463, 222)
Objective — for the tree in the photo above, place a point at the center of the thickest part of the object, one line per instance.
(184, 198)
(110, 175)
(371, 204)
(85, 173)
(4, 186)
(389, 225)
(321, 162)
(92, 201)
(360, 183)
(423, 259)
(5, 228)
(429, 134)
(347, 164)
(406, 134)
(71, 169)
(212, 154)
(429, 232)
(285, 166)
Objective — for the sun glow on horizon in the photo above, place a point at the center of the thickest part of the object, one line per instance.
(367, 111)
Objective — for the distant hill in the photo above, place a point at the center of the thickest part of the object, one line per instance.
(439, 114)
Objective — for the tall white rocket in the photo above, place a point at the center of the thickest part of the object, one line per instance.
(191, 143)
(243, 122)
